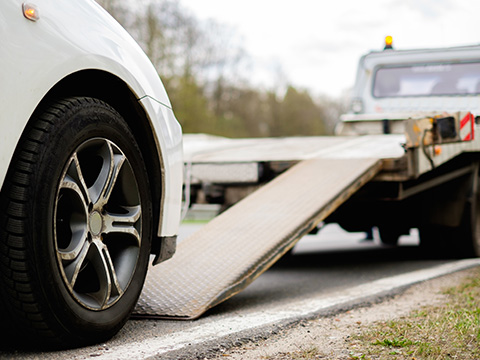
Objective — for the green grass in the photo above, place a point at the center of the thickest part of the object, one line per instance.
(443, 332)
(194, 222)
(308, 353)
(448, 331)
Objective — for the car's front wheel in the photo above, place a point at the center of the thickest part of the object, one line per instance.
(76, 219)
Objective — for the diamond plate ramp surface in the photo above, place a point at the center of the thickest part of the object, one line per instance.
(233, 249)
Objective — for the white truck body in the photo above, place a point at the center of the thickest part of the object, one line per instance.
(395, 85)
(424, 80)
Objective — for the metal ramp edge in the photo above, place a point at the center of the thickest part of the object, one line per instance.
(233, 249)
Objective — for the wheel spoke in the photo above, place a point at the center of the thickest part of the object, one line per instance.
(124, 223)
(116, 288)
(107, 176)
(104, 173)
(107, 278)
(70, 213)
(102, 271)
(72, 252)
(73, 180)
(117, 162)
(72, 269)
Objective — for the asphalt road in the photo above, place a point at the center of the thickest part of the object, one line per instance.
(331, 262)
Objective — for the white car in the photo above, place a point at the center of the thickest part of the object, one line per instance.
(90, 171)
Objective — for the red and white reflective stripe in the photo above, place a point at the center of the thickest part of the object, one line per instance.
(466, 127)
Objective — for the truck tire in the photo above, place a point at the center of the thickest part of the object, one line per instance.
(435, 240)
(76, 219)
(389, 235)
(462, 240)
(467, 236)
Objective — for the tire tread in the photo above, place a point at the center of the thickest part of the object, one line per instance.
(17, 274)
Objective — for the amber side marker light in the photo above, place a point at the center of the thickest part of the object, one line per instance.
(30, 12)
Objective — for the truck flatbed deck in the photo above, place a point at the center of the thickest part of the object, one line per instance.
(318, 175)
(234, 248)
(244, 241)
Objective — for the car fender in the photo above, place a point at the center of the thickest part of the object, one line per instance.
(39, 54)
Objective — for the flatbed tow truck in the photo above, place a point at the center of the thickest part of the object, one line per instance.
(407, 156)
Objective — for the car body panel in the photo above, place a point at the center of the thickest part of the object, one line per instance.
(74, 36)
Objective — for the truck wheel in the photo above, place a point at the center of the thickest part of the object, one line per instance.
(434, 240)
(76, 225)
(389, 235)
(460, 241)
(467, 236)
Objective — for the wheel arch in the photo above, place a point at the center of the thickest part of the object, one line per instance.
(114, 91)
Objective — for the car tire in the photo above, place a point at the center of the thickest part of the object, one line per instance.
(76, 225)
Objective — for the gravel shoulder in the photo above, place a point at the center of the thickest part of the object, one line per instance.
(331, 337)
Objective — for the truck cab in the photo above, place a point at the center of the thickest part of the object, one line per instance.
(393, 85)
(412, 94)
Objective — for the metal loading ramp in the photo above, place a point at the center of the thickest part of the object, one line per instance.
(234, 248)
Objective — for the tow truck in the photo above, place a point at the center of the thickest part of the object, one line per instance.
(406, 156)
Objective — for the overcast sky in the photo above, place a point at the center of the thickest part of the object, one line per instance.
(317, 44)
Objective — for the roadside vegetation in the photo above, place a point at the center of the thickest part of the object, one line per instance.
(210, 78)
(447, 331)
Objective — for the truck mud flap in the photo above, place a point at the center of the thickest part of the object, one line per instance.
(233, 249)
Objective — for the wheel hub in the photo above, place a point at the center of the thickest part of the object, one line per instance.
(95, 223)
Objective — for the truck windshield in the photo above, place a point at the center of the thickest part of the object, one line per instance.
(427, 80)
